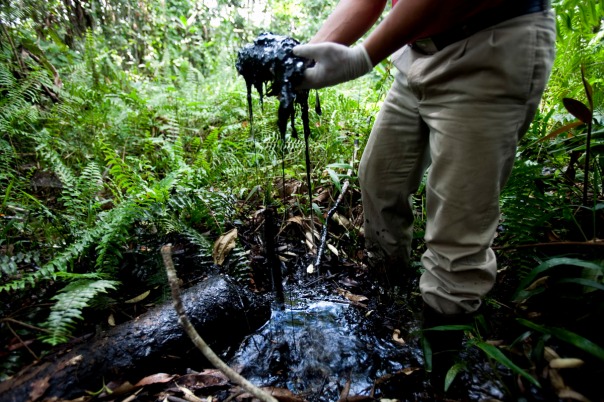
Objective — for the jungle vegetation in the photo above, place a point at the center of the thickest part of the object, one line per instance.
(124, 126)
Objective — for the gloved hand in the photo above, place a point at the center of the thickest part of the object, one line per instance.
(334, 64)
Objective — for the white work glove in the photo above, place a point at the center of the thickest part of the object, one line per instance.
(334, 64)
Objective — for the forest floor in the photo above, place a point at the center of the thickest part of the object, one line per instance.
(392, 316)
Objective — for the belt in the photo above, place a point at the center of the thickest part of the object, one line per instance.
(482, 20)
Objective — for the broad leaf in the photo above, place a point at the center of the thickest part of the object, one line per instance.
(496, 354)
(569, 337)
(577, 109)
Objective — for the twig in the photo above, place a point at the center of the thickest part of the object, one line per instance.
(166, 252)
(22, 342)
(24, 324)
(599, 243)
(334, 208)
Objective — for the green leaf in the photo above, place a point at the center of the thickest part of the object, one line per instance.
(70, 301)
(567, 336)
(589, 92)
(340, 166)
(452, 374)
(335, 179)
(498, 356)
(521, 293)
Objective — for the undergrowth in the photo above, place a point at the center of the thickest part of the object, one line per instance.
(101, 164)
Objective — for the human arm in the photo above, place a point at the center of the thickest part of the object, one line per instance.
(408, 21)
(350, 20)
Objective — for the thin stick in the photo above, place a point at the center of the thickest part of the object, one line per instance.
(166, 252)
(22, 342)
(26, 325)
(334, 208)
(590, 243)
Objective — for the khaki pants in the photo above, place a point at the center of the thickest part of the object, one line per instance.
(461, 112)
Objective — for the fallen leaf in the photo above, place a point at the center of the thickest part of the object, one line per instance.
(138, 298)
(158, 378)
(38, 388)
(19, 345)
(281, 394)
(549, 354)
(396, 337)
(568, 362)
(189, 395)
(539, 282)
(117, 388)
(205, 379)
(111, 320)
(571, 394)
(223, 246)
(352, 297)
(333, 249)
(556, 380)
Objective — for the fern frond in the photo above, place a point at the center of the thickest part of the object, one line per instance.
(522, 194)
(60, 263)
(70, 301)
(7, 157)
(115, 231)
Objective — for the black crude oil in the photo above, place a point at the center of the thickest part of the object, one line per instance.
(270, 62)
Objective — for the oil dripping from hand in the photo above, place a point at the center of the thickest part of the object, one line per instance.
(269, 62)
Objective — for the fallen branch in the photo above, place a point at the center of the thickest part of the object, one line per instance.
(134, 349)
(166, 252)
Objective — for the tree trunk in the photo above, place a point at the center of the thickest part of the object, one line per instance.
(221, 311)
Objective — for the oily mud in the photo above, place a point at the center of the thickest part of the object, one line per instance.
(269, 63)
(344, 338)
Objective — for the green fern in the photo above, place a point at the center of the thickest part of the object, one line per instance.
(115, 231)
(60, 263)
(70, 301)
(7, 158)
(523, 194)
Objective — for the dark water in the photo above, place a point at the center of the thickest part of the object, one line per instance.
(313, 347)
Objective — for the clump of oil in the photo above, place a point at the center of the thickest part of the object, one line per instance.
(269, 62)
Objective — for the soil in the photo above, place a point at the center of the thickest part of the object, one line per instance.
(383, 312)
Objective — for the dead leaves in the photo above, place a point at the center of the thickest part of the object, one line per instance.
(138, 298)
(281, 394)
(223, 246)
(552, 371)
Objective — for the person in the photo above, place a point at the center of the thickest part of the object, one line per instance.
(470, 76)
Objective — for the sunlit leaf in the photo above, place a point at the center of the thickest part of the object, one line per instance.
(335, 179)
(564, 129)
(589, 92)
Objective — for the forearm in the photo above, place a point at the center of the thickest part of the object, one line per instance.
(336, 61)
(410, 20)
(350, 20)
